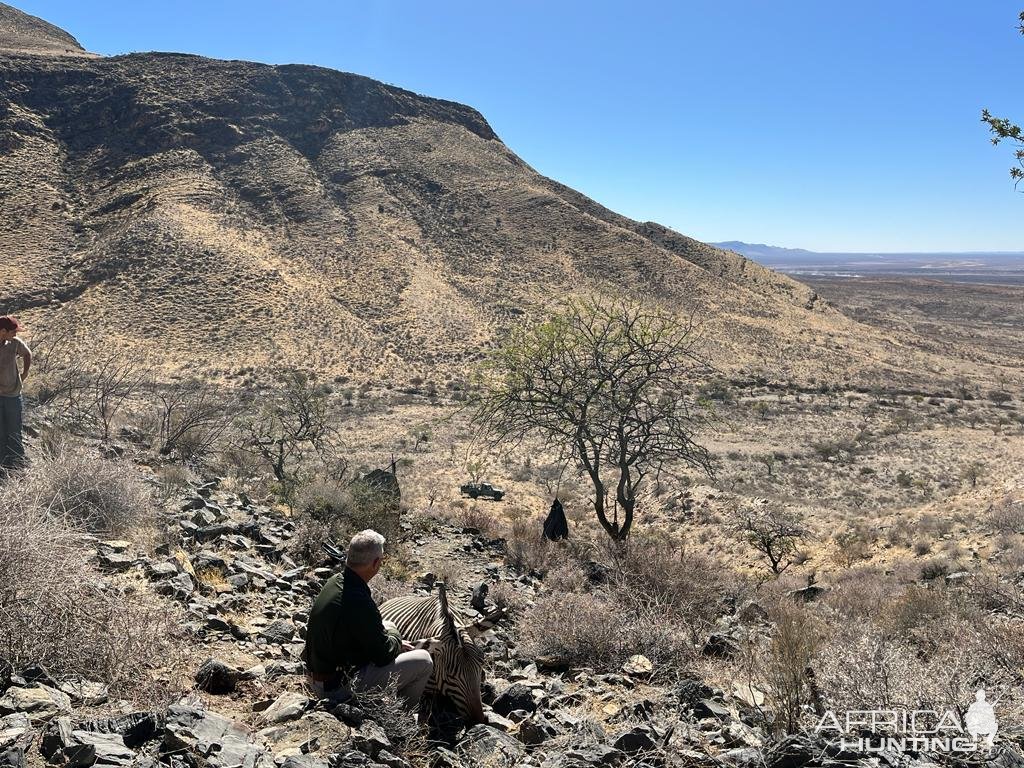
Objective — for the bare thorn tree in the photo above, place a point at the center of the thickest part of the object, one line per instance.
(774, 532)
(192, 418)
(289, 425)
(605, 385)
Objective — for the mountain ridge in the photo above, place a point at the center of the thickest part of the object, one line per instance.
(23, 33)
(219, 211)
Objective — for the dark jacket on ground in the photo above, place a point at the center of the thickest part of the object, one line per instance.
(345, 630)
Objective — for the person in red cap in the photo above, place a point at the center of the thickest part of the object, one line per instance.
(12, 450)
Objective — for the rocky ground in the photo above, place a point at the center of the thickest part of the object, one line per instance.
(244, 602)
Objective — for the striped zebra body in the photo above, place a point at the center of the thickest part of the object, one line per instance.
(458, 662)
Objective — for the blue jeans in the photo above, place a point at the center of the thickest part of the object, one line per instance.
(12, 450)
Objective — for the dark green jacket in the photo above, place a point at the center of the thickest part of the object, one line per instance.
(345, 630)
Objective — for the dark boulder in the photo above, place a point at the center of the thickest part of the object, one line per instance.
(479, 599)
(516, 696)
(135, 729)
(216, 677)
(689, 691)
(642, 738)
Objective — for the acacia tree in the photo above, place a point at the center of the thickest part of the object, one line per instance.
(1003, 129)
(289, 426)
(774, 532)
(604, 384)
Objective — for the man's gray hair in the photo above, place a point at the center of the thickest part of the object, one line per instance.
(365, 547)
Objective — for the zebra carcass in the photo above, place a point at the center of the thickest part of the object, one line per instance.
(430, 622)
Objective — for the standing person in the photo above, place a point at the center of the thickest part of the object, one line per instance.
(346, 637)
(12, 450)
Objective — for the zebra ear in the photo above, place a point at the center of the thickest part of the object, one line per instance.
(446, 612)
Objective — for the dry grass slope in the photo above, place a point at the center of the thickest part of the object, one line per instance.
(187, 206)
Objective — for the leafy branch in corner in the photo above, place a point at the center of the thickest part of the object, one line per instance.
(1002, 129)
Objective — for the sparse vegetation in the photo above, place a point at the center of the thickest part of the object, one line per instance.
(290, 426)
(56, 611)
(99, 495)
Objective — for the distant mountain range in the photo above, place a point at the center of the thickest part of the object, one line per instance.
(959, 265)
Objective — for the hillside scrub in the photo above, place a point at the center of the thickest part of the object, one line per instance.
(329, 512)
(56, 612)
(652, 597)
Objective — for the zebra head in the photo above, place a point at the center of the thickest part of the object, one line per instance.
(458, 664)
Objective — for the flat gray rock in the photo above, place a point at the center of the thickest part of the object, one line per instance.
(101, 749)
(287, 706)
(40, 703)
(485, 745)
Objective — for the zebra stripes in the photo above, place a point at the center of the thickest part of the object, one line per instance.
(458, 662)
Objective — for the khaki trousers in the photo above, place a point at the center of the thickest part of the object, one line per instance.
(410, 670)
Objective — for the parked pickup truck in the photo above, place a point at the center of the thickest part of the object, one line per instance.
(482, 491)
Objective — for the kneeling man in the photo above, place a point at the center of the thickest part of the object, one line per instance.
(346, 638)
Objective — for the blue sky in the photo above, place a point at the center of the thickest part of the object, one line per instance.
(800, 123)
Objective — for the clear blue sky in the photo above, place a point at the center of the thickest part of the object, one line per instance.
(800, 123)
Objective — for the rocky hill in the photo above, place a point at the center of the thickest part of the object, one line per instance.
(196, 208)
(21, 33)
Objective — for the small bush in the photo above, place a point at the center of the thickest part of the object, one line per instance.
(55, 611)
(852, 545)
(478, 515)
(103, 496)
(506, 596)
(526, 550)
(934, 569)
(784, 665)
(327, 512)
(1007, 517)
(595, 629)
(685, 587)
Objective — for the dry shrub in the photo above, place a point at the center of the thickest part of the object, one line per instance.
(478, 515)
(1007, 516)
(506, 596)
(853, 544)
(937, 666)
(898, 645)
(860, 668)
(784, 664)
(103, 496)
(172, 482)
(915, 607)
(595, 629)
(527, 550)
(326, 511)
(384, 588)
(448, 570)
(383, 706)
(857, 592)
(566, 577)
(667, 579)
(55, 611)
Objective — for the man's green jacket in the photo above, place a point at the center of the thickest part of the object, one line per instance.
(345, 630)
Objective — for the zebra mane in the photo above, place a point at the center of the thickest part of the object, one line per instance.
(446, 612)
